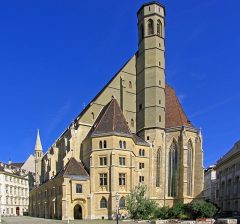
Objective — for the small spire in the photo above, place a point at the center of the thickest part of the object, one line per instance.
(200, 132)
(38, 145)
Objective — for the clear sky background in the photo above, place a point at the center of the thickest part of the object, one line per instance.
(56, 55)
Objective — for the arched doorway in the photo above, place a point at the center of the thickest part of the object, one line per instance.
(77, 212)
(17, 211)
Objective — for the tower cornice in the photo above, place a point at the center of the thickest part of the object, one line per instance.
(151, 3)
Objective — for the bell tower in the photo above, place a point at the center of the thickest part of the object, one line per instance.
(150, 83)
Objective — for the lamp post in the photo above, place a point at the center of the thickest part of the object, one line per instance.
(117, 205)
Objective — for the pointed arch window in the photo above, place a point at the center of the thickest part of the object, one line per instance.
(120, 144)
(189, 168)
(104, 144)
(103, 203)
(158, 165)
(122, 202)
(173, 170)
(100, 145)
(124, 145)
(159, 28)
(150, 26)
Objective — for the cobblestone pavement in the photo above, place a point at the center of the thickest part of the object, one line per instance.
(31, 220)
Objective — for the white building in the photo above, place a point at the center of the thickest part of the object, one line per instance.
(210, 184)
(14, 190)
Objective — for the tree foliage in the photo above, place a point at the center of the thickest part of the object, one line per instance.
(202, 209)
(138, 205)
(141, 207)
(195, 209)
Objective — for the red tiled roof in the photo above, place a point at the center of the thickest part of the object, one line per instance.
(73, 168)
(111, 121)
(175, 116)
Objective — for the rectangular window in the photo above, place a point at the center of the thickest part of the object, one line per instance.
(141, 179)
(122, 179)
(103, 161)
(122, 161)
(78, 188)
(141, 166)
(103, 179)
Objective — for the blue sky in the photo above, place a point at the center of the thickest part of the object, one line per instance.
(51, 51)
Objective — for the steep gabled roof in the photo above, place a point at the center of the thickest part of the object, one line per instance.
(175, 116)
(74, 169)
(111, 121)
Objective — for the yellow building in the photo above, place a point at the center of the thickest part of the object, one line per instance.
(133, 132)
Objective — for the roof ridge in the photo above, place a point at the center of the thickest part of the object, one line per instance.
(67, 165)
(112, 120)
(179, 108)
(107, 107)
(125, 119)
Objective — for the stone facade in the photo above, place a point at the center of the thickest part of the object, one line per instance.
(133, 132)
(209, 192)
(228, 184)
(14, 190)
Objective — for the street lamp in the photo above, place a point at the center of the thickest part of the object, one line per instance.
(117, 205)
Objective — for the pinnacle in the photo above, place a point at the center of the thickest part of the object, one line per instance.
(38, 145)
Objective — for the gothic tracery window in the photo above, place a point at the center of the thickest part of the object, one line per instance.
(159, 28)
(150, 27)
(173, 170)
(189, 168)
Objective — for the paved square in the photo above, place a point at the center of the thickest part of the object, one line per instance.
(31, 220)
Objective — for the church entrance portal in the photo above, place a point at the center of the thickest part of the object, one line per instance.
(77, 212)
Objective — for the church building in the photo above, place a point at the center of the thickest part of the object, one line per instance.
(134, 132)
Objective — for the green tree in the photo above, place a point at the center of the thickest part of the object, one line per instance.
(179, 211)
(162, 213)
(139, 206)
(202, 209)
